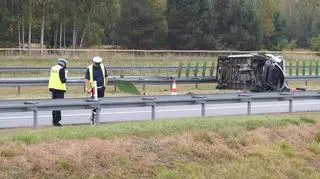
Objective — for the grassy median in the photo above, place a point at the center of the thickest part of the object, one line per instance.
(263, 146)
(111, 60)
(125, 60)
(78, 91)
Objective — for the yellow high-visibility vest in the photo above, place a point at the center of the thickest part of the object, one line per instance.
(90, 67)
(54, 81)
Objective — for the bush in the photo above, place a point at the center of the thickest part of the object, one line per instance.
(317, 137)
(315, 43)
(284, 44)
(307, 120)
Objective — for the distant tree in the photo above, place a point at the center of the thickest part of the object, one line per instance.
(208, 21)
(155, 24)
(183, 23)
(238, 25)
(315, 43)
(306, 25)
(98, 21)
(279, 38)
(267, 9)
(6, 25)
(142, 24)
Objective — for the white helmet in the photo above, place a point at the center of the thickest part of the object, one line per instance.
(62, 61)
(97, 59)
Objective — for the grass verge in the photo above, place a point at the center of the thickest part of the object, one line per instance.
(78, 91)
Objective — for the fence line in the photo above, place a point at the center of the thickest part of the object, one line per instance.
(304, 68)
(159, 51)
(138, 52)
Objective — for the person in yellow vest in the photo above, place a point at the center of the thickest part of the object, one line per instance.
(96, 72)
(57, 87)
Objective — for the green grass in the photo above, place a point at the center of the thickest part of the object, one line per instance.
(314, 147)
(286, 149)
(113, 60)
(317, 137)
(110, 60)
(78, 91)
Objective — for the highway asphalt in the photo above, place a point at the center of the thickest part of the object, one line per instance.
(25, 119)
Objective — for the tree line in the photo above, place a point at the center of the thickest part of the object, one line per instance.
(161, 24)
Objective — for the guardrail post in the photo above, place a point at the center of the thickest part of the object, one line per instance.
(153, 106)
(203, 109)
(304, 68)
(297, 68)
(201, 100)
(290, 68)
(180, 70)
(167, 70)
(188, 70)
(144, 87)
(288, 96)
(196, 69)
(157, 71)
(160, 69)
(204, 69)
(153, 111)
(31, 106)
(19, 90)
(249, 107)
(212, 68)
(244, 86)
(246, 97)
(98, 109)
(35, 118)
(310, 67)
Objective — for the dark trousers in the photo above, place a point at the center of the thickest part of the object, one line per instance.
(56, 115)
(100, 95)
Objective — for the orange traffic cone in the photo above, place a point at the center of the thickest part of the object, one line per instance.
(174, 88)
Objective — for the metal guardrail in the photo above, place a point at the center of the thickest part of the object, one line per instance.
(110, 68)
(152, 101)
(169, 70)
(79, 81)
(132, 70)
(305, 77)
(155, 80)
(114, 68)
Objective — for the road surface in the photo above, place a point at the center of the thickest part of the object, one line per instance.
(25, 119)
